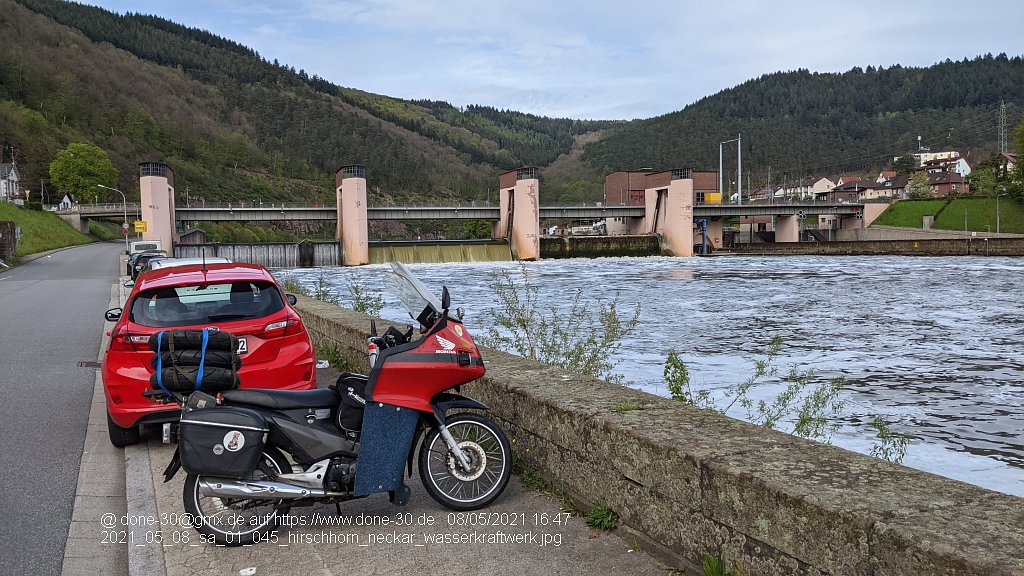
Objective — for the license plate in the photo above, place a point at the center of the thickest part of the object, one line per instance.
(243, 346)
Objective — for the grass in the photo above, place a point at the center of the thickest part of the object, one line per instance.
(909, 213)
(602, 518)
(981, 212)
(105, 230)
(41, 231)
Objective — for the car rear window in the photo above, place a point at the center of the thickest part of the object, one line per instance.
(205, 304)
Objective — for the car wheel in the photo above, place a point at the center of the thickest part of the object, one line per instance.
(121, 437)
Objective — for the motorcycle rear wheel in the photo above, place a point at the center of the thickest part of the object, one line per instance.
(490, 456)
(231, 521)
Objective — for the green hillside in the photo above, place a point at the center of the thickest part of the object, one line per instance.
(909, 213)
(41, 230)
(234, 125)
(981, 215)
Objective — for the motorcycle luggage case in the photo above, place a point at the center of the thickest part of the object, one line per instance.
(225, 441)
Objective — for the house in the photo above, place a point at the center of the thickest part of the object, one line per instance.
(885, 175)
(958, 165)
(10, 182)
(850, 192)
(66, 203)
(947, 184)
(1007, 162)
(806, 188)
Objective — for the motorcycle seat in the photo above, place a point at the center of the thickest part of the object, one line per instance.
(283, 399)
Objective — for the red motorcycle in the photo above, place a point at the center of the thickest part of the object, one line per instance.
(356, 438)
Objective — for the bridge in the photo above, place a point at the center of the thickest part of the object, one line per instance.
(287, 212)
(666, 209)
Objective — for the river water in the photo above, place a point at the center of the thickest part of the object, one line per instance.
(933, 345)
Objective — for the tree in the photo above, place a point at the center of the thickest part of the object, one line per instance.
(983, 182)
(918, 187)
(904, 164)
(78, 169)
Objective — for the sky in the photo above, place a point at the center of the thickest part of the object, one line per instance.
(593, 59)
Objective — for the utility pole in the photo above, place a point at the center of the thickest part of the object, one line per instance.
(1002, 128)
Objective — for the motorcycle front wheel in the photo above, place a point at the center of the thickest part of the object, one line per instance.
(490, 459)
(236, 521)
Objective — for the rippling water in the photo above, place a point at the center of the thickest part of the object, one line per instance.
(934, 345)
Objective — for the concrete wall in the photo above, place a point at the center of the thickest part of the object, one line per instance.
(598, 246)
(271, 254)
(688, 482)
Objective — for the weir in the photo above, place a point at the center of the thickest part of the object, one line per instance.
(440, 251)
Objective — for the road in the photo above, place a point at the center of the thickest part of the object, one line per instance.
(51, 312)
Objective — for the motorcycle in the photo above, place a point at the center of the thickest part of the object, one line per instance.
(358, 437)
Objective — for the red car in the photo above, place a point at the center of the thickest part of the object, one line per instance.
(243, 299)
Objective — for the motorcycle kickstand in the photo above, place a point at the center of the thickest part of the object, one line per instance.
(337, 506)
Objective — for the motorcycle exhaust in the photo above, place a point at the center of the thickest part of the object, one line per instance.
(256, 490)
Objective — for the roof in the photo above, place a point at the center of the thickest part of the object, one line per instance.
(194, 274)
(6, 169)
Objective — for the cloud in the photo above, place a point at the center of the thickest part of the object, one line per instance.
(597, 59)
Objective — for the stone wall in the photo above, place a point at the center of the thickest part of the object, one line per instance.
(688, 482)
(977, 246)
(597, 246)
(8, 239)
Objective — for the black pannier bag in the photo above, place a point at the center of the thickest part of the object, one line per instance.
(352, 389)
(226, 441)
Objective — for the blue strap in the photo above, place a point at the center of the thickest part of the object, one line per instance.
(202, 358)
(160, 363)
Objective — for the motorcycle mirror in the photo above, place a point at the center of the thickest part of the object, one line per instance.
(373, 328)
(129, 283)
(460, 312)
(113, 315)
(292, 299)
(446, 299)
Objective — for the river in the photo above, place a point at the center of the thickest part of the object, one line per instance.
(933, 345)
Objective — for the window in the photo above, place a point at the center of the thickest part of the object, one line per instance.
(205, 303)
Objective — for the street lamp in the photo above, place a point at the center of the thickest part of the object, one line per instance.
(998, 196)
(739, 167)
(124, 199)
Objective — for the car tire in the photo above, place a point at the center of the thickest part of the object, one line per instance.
(121, 437)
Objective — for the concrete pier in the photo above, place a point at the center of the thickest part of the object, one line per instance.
(352, 229)
(156, 193)
(519, 218)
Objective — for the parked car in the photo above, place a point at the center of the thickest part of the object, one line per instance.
(175, 262)
(144, 259)
(243, 299)
(136, 255)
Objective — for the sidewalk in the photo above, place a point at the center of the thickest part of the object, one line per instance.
(523, 532)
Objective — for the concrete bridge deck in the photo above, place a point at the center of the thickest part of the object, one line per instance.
(284, 212)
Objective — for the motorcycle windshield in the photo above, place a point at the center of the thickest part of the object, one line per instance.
(413, 295)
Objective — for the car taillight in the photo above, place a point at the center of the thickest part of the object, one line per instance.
(290, 325)
(123, 341)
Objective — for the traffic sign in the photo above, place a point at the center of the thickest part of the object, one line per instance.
(140, 226)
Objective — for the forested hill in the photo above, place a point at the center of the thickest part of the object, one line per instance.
(235, 126)
(232, 124)
(798, 124)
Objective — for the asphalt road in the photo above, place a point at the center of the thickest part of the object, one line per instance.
(51, 311)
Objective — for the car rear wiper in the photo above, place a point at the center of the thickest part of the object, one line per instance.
(216, 317)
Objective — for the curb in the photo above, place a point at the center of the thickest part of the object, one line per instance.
(143, 558)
